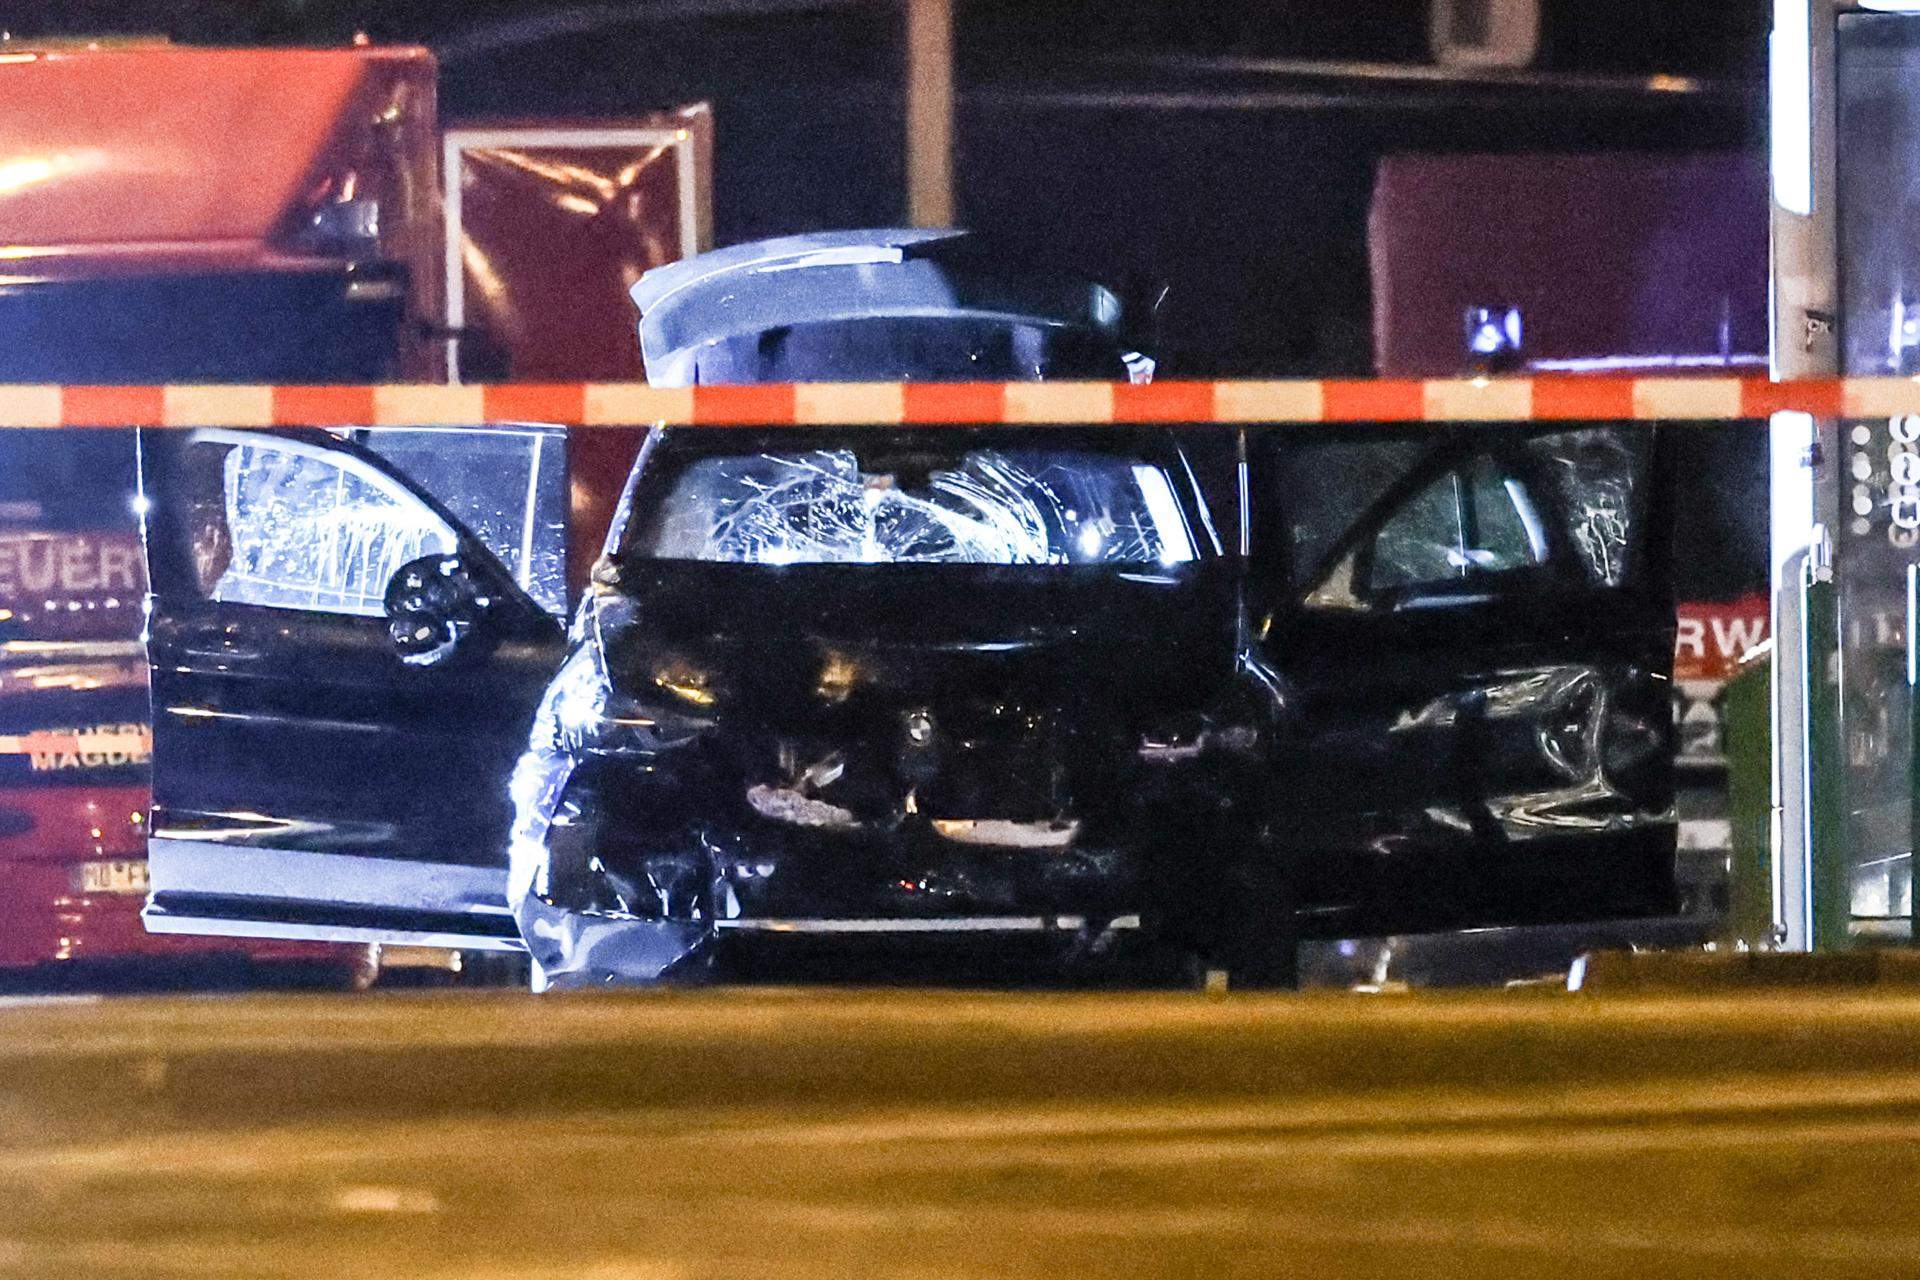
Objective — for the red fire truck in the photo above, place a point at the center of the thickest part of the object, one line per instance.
(175, 215)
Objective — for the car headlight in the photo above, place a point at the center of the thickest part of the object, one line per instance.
(583, 713)
(684, 681)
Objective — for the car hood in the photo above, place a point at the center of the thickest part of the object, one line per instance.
(807, 645)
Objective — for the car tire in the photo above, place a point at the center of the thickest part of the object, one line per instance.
(1163, 963)
(1258, 938)
(357, 972)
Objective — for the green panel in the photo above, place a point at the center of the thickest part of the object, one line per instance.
(1827, 822)
(1747, 718)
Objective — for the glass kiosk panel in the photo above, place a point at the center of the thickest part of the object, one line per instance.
(1878, 530)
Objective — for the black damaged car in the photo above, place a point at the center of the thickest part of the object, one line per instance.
(858, 681)
(1166, 691)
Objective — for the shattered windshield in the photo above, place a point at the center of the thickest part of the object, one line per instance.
(988, 507)
(1593, 474)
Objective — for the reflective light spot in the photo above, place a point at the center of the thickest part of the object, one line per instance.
(385, 1200)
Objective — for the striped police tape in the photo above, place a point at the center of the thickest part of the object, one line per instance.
(1570, 398)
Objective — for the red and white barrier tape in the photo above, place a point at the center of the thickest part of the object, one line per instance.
(621, 403)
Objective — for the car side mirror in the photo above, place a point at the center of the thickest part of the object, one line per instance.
(433, 604)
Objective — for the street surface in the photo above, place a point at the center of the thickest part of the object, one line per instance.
(792, 1134)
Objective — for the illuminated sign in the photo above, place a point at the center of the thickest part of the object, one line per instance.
(39, 568)
(106, 746)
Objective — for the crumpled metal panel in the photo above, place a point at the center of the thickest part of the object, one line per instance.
(577, 941)
(644, 825)
(1565, 728)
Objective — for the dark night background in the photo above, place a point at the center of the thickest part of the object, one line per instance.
(1160, 139)
(1224, 148)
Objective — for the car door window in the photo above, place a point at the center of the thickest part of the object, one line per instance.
(1319, 488)
(1470, 521)
(1423, 541)
(291, 525)
(1517, 508)
(507, 485)
(1593, 473)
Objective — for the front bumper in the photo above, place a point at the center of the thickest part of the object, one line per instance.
(763, 872)
(608, 850)
(627, 865)
(601, 898)
(668, 910)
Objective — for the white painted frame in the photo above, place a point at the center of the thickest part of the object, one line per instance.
(692, 180)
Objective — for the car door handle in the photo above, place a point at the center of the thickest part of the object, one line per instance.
(1409, 604)
(216, 644)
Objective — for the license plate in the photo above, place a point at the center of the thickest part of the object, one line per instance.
(113, 877)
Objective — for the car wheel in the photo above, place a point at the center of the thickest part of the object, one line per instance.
(1163, 963)
(355, 972)
(1257, 941)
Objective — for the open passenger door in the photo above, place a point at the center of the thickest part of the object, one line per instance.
(1475, 629)
(348, 638)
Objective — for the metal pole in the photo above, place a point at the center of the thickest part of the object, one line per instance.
(1810, 853)
(930, 113)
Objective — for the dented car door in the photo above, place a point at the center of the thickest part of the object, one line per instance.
(1476, 631)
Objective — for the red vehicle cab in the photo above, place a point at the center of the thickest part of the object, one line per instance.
(169, 215)
(183, 215)
(75, 743)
